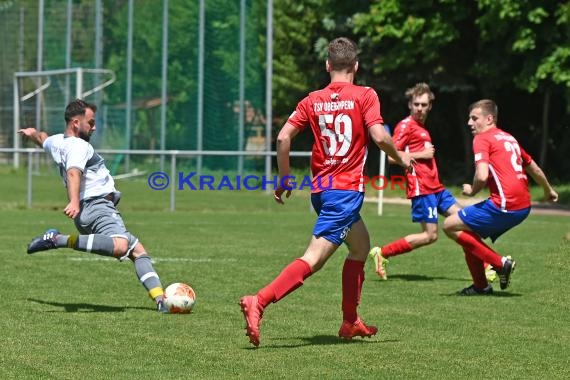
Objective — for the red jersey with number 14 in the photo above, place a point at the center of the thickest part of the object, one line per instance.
(411, 136)
(508, 183)
(339, 116)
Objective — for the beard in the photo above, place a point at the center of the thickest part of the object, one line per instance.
(84, 136)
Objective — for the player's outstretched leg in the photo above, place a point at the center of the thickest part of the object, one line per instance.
(52, 239)
(44, 242)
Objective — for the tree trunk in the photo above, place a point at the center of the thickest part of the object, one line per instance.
(544, 139)
(466, 136)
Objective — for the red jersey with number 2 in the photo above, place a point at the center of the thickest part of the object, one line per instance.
(339, 116)
(411, 136)
(508, 183)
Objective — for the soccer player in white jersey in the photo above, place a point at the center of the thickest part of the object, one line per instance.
(92, 199)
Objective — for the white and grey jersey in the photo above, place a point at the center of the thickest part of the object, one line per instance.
(73, 152)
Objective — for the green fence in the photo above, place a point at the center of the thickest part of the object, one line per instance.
(213, 61)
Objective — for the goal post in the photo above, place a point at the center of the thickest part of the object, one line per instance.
(60, 83)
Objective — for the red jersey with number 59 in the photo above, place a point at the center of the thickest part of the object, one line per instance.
(411, 136)
(339, 116)
(508, 183)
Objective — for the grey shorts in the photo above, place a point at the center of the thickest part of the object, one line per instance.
(100, 216)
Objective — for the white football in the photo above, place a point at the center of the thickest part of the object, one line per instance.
(179, 298)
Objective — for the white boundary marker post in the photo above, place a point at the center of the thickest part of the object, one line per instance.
(382, 172)
(383, 179)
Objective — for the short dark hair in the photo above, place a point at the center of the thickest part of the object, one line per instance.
(488, 107)
(418, 90)
(342, 54)
(77, 107)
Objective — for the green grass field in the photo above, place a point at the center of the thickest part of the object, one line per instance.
(70, 315)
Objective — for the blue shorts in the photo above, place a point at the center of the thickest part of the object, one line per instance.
(337, 211)
(487, 220)
(426, 207)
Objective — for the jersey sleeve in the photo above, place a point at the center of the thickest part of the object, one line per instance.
(526, 158)
(480, 149)
(401, 136)
(371, 109)
(78, 155)
(300, 118)
(47, 144)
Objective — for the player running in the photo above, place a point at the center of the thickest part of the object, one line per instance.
(343, 117)
(428, 196)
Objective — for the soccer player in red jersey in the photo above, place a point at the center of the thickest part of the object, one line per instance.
(501, 164)
(428, 196)
(343, 117)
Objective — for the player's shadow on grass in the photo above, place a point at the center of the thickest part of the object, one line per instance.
(325, 340)
(85, 307)
(420, 277)
(498, 294)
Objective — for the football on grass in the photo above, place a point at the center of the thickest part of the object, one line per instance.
(179, 298)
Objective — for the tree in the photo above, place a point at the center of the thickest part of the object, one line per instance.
(302, 31)
(508, 50)
(531, 41)
(408, 42)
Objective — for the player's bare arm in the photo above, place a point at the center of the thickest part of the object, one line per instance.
(287, 133)
(73, 187)
(539, 177)
(383, 140)
(426, 154)
(479, 180)
(38, 137)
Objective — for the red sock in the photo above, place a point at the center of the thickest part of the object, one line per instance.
(352, 279)
(477, 270)
(288, 280)
(396, 248)
(475, 246)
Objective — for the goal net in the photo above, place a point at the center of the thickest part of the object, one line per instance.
(40, 97)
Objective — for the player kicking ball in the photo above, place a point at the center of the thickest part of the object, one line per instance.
(92, 199)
